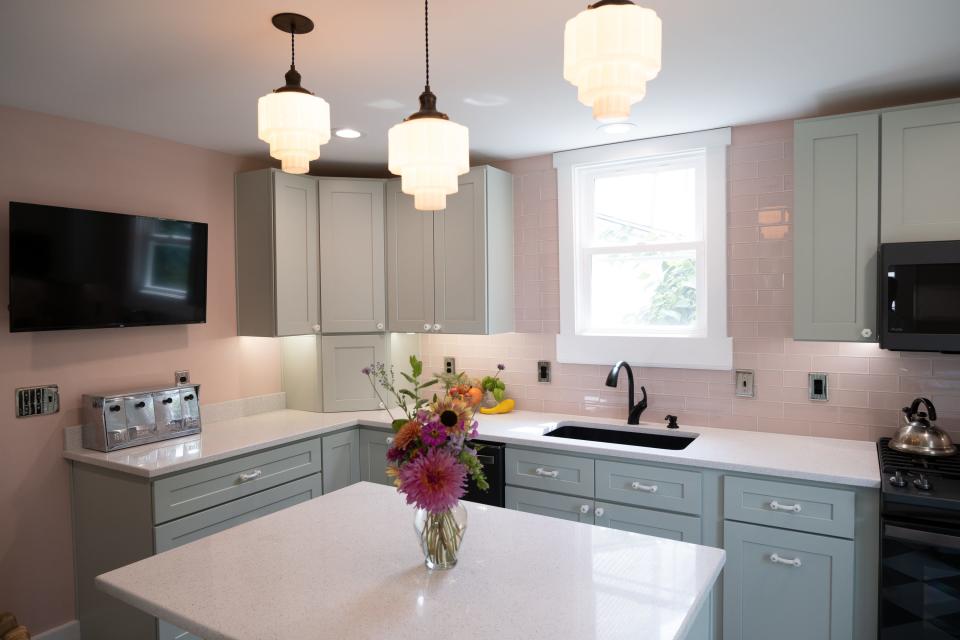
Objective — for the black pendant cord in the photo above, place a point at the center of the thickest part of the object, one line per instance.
(428, 101)
(426, 38)
(293, 51)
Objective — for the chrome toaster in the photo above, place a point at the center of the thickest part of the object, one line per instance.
(118, 420)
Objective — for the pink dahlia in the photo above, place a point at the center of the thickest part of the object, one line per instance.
(434, 481)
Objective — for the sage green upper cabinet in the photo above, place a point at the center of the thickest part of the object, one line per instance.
(920, 189)
(278, 254)
(836, 221)
(451, 271)
(352, 273)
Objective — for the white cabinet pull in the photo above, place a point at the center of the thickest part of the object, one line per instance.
(426, 326)
(776, 506)
(316, 328)
(540, 471)
(598, 512)
(778, 559)
(584, 509)
(436, 327)
(250, 475)
(649, 488)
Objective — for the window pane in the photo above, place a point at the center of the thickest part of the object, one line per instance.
(645, 206)
(634, 293)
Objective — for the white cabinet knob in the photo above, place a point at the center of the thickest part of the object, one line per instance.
(436, 327)
(316, 328)
(598, 512)
(389, 439)
(426, 326)
(584, 509)
(866, 333)
(380, 326)
(381, 405)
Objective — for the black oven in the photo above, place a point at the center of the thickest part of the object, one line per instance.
(491, 456)
(920, 296)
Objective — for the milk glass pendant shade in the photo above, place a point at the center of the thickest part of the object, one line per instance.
(293, 121)
(427, 149)
(610, 51)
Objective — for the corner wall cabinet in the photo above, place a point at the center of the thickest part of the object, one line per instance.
(861, 179)
(451, 271)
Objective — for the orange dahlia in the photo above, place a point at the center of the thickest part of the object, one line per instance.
(407, 434)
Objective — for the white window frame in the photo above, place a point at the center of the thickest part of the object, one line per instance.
(709, 347)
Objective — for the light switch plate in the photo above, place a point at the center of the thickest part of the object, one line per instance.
(817, 383)
(744, 383)
(543, 371)
(37, 401)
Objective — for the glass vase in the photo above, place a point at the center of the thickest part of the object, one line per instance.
(440, 535)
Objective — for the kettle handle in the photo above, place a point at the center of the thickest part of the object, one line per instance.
(912, 409)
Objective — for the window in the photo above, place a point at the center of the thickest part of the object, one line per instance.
(643, 252)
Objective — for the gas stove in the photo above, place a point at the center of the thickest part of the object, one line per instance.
(927, 482)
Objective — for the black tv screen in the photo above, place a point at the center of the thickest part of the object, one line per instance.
(78, 269)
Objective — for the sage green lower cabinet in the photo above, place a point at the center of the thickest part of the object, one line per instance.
(373, 456)
(648, 522)
(550, 504)
(786, 585)
(341, 460)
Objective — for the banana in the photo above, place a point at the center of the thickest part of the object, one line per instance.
(504, 407)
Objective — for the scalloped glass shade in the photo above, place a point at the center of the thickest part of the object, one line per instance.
(294, 125)
(609, 54)
(429, 154)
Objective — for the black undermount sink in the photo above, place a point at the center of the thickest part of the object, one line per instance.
(597, 433)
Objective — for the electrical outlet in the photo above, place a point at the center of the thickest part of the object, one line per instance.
(449, 365)
(543, 371)
(817, 383)
(37, 401)
(182, 378)
(744, 383)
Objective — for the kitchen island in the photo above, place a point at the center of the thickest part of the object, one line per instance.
(348, 565)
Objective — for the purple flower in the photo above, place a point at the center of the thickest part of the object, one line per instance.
(501, 367)
(365, 371)
(435, 481)
(394, 454)
(434, 434)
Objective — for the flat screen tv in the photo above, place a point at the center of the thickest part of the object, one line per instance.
(78, 269)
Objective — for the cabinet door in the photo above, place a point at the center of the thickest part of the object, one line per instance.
(410, 267)
(373, 456)
(352, 275)
(296, 254)
(920, 190)
(460, 258)
(341, 460)
(342, 359)
(549, 504)
(648, 522)
(836, 228)
(786, 585)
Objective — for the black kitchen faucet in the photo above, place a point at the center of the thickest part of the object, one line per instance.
(634, 410)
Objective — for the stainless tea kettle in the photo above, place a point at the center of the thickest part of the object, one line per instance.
(920, 436)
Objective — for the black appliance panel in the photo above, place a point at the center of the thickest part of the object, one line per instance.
(491, 455)
(78, 269)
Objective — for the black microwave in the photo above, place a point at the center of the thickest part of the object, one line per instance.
(920, 296)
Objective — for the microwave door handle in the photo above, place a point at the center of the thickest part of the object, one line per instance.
(919, 536)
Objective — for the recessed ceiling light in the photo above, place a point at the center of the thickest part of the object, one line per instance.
(617, 128)
(348, 133)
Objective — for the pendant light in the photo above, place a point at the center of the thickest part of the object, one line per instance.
(610, 51)
(292, 120)
(427, 149)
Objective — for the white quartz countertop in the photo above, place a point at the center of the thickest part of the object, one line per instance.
(846, 462)
(348, 565)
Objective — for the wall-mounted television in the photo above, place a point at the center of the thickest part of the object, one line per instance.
(79, 269)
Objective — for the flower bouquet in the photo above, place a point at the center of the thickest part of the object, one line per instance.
(430, 458)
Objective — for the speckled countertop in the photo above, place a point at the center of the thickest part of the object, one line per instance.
(339, 566)
(846, 462)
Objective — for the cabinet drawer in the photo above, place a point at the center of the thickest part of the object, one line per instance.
(550, 472)
(549, 504)
(200, 525)
(786, 585)
(789, 506)
(185, 493)
(648, 522)
(647, 486)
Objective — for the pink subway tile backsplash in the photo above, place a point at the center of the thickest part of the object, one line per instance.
(867, 385)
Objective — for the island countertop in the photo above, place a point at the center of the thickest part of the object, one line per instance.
(348, 565)
(845, 462)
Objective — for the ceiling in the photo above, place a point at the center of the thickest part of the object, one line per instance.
(192, 70)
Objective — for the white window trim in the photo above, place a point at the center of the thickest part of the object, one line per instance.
(715, 350)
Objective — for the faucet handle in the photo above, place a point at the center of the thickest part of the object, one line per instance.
(672, 422)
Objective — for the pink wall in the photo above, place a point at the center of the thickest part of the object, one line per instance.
(867, 385)
(64, 162)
